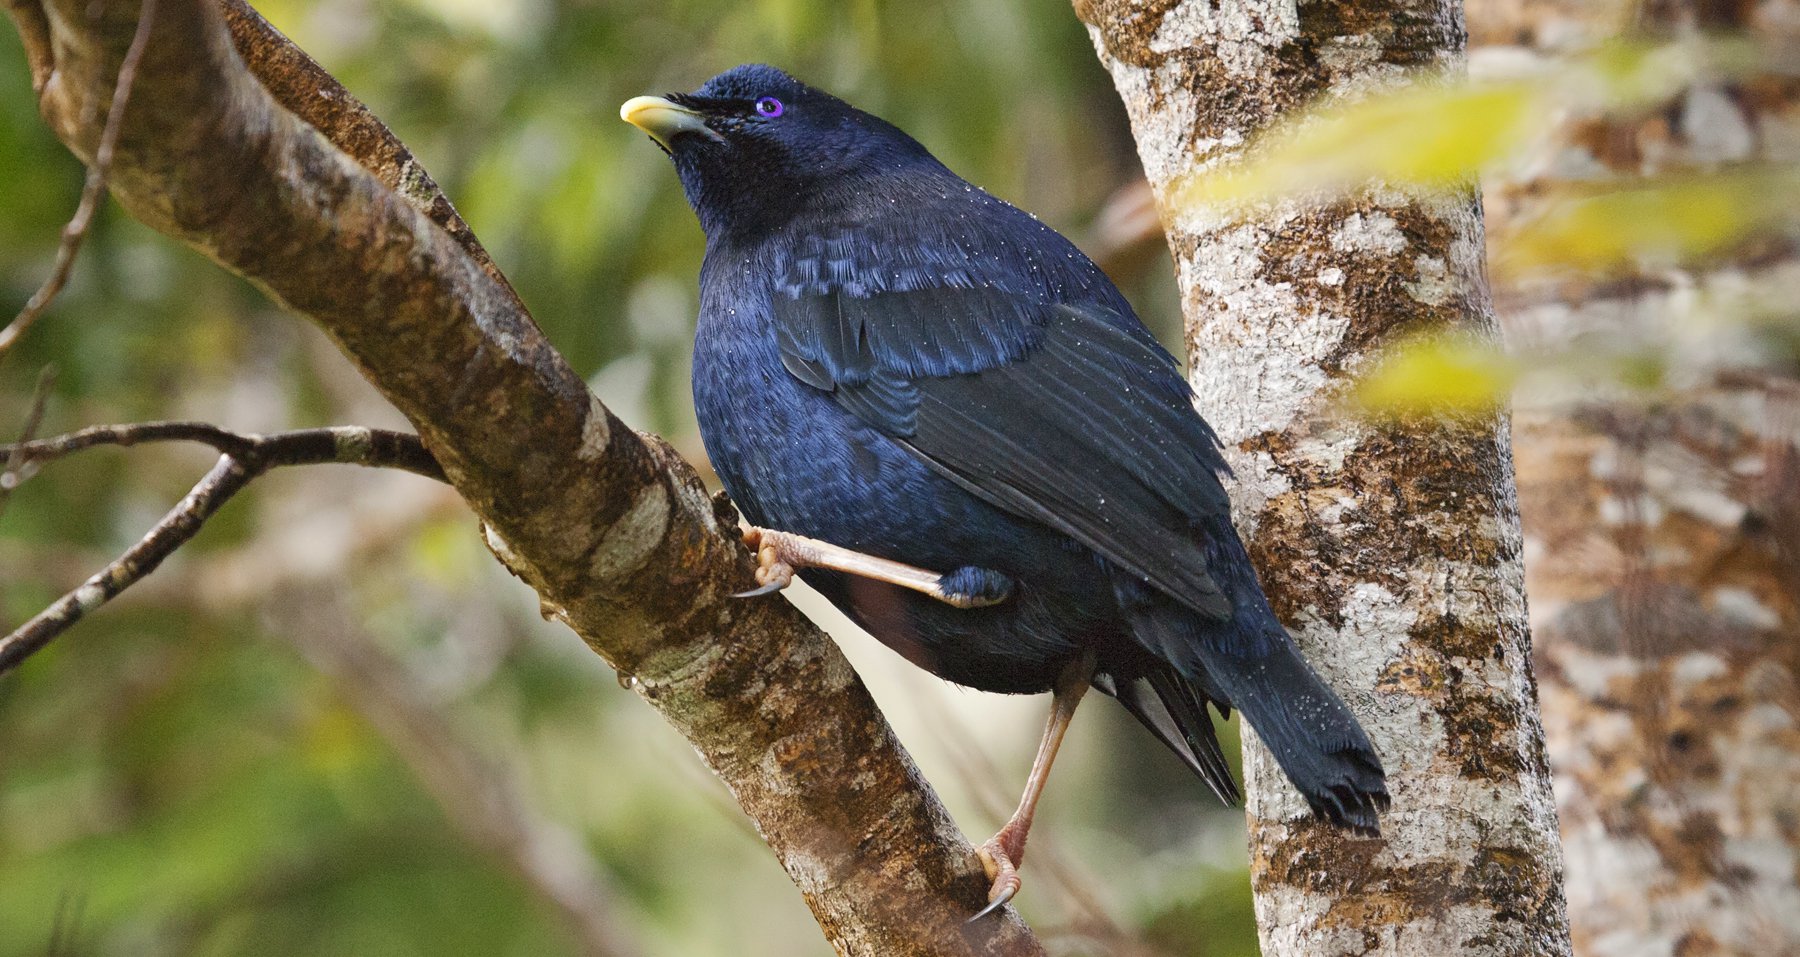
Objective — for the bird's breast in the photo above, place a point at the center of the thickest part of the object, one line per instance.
(786, 453)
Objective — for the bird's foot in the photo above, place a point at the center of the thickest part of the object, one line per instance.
(777, 553)
(1001, 856)
(972, 586)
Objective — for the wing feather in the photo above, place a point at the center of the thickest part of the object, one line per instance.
(1072, 416)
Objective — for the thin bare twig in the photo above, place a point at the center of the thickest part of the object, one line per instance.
(14, 474)
(76, 230)
(347, 444)
(226, 479)
(242, 458)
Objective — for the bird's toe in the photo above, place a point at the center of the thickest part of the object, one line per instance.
(972, 586)
(1002, 873)
(774, 561)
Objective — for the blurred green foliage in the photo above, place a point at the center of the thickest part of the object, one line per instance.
(1431, 132)
(1419, 134)
(177, 779)
(1431, 374)
(1670, 221)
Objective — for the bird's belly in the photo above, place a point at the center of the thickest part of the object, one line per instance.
(794, 460)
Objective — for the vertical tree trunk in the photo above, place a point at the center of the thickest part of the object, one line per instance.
(1392, 551)
(1665, 534)
(1666, 561)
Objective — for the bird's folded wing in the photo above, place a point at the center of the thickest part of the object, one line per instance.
(1071, 416)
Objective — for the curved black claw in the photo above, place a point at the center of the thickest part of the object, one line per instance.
(761, 590)
(995, 904)
(997, 859)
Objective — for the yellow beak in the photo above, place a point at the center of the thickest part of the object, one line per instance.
(664, 120)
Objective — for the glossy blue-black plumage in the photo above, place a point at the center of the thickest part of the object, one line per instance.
(892, 360)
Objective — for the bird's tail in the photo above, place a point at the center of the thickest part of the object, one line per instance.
(1313, 736)
(1175, 711)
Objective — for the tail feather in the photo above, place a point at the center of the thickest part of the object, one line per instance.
(1312, 735)
(1175, 714)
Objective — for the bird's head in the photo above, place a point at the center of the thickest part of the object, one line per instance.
(754, 147)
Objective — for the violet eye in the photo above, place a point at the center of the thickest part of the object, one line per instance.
(770, 107)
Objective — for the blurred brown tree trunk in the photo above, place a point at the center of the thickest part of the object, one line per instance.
(1663, 529)
(1392, 551)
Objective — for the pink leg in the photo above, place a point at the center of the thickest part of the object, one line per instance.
(1002, 854)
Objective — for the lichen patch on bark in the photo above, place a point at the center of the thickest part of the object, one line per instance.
(628, 543)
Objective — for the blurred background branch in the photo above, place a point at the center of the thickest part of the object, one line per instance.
(14, 472)
(481, 795)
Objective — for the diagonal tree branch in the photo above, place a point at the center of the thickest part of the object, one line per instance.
(303, 88)
(610, 527)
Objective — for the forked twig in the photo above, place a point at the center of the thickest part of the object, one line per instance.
(242, 459)
(14, 473)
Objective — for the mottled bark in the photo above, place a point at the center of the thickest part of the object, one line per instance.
(1665, 572)
(1391, 550)
(611, 528)
(1663, 529)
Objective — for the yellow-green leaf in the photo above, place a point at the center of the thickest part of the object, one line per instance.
(1671, 220)
(1432, 134)
(1429, 136)
(1437, 375)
